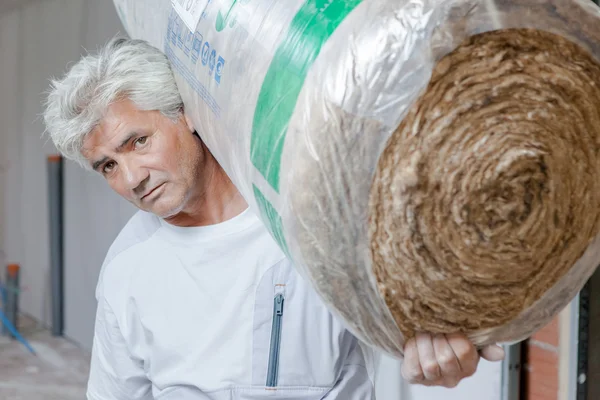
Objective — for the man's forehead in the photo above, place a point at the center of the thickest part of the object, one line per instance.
(103, 140)
(92, 146)
(102, 135)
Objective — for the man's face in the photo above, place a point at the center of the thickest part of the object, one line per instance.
(145, 157)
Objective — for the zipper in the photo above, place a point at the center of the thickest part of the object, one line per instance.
(272, 371)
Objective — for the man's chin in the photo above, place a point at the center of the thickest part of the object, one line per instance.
(165, 212)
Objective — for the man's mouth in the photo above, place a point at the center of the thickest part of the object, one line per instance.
(151, 192)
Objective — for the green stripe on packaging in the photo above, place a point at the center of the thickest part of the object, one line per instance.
(310, 29)
(273, 218)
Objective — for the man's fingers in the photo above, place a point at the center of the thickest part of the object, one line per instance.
(446, 358)
(492, 353)
(443, 360)
(450, 383)
(429, 364)
(465, 352)
(411, 367)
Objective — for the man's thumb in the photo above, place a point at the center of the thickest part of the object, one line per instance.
(492, 353)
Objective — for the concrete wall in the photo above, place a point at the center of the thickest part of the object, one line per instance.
(38, 41)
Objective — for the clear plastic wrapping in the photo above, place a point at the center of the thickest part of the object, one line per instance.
(298, 101)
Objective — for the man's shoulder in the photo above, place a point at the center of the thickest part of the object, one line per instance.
(140, 227)
(130, 244)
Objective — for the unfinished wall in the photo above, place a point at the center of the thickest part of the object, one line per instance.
(551, 359)
(37, 41)
(542, 363)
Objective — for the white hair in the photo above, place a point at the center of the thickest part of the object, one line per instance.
(124, 68)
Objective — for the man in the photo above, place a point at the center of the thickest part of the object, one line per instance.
(195, 299)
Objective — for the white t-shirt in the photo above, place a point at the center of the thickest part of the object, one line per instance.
(215, 312)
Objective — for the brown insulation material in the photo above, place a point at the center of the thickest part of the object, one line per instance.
(488, 193)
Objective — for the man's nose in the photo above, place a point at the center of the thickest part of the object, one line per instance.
(133, 174)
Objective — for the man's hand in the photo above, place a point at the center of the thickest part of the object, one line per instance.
(443, 360)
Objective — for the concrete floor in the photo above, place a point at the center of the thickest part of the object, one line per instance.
(58, 371)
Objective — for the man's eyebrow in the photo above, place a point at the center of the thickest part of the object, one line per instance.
(98, 163)
(119, 148)
(125, 141)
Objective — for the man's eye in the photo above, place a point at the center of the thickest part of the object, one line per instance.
(141, 141)
(108, 167)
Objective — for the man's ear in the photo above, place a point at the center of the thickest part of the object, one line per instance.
(189, 122)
